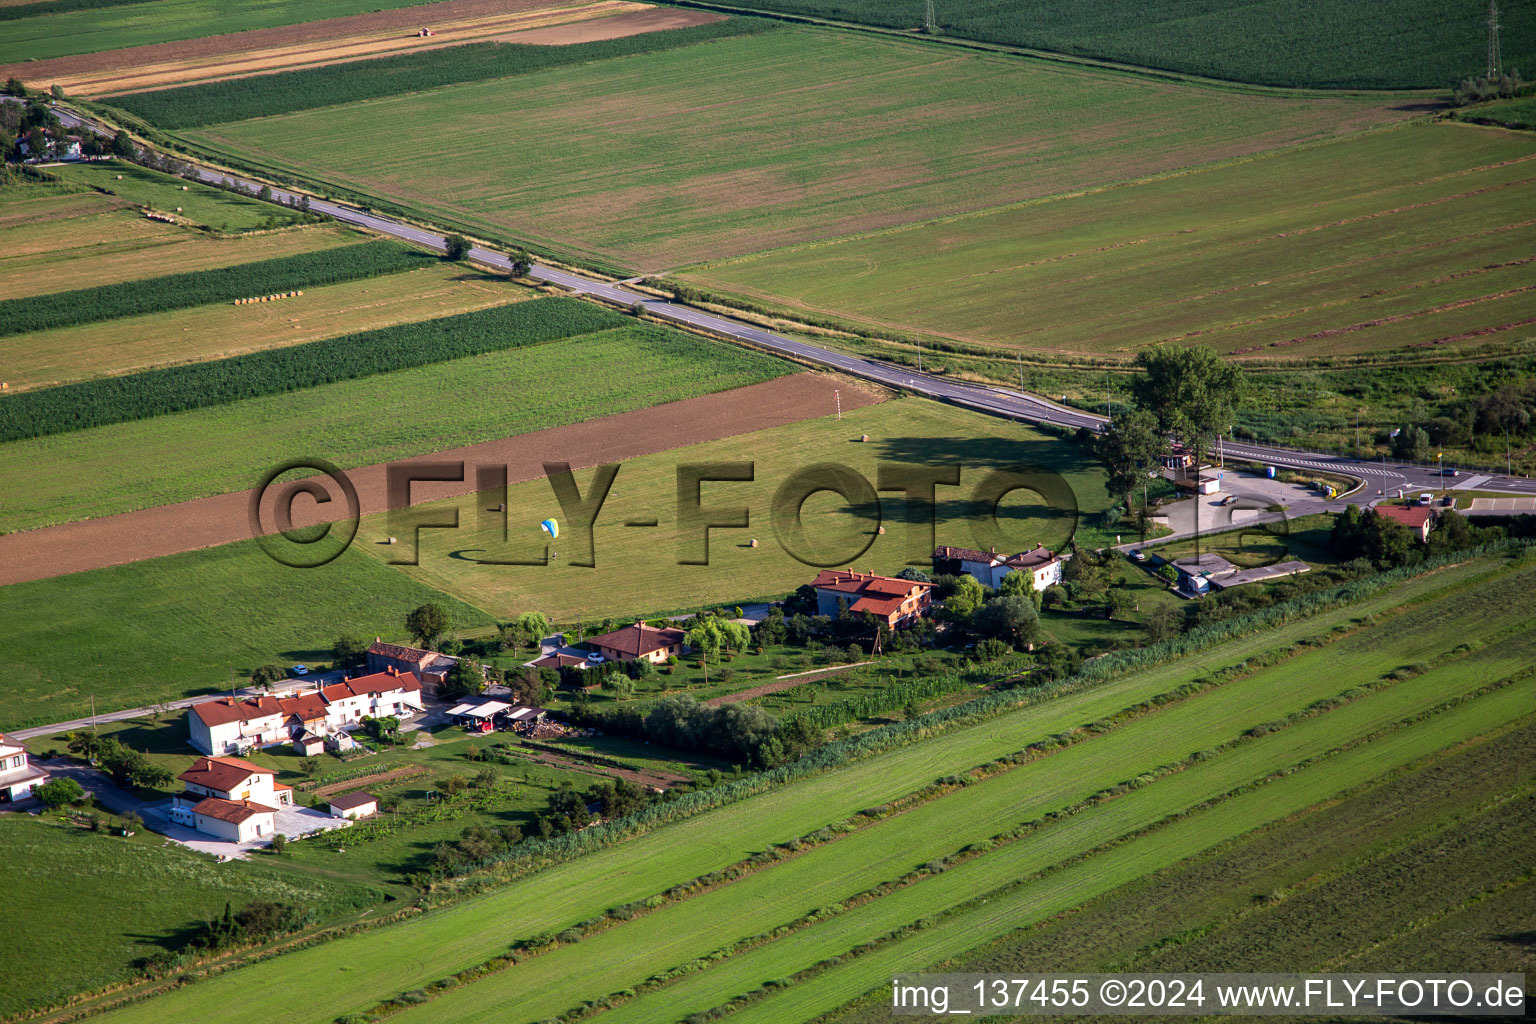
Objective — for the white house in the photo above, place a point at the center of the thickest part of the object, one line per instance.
(354, 805)
(18, 777)
(989, 568)
(231, 798)
(229, 725)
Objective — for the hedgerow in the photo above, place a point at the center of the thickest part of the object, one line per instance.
(195, 106)
(199, 288)
(109, 400)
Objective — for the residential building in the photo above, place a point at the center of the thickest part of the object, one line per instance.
(18, 776)
(637, 641)
(229, 725)
(989, 568)
(894, 601)
(230, 798)
(1418, 519)
(354, 805)
(431, 666)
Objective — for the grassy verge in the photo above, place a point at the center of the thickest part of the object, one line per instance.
(191, 201)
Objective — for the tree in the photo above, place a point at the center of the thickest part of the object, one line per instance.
(122, 145)
(464, 677)
(521, 262)
(265, 194)
(1057, 661)
(568, 809)
(58, 792)
(1161, 623)
(1130, 447)
(279, 843)
(912, 709)
(618, 798)
(14, 87)
(707, 637)
(966, 598)
(1010, 619)
(535, 624)
(456, 249)
(309, 766)
(427, 624)
(1410, 443)
(1088, 573)
(1118, 603)
(1192, 393)
(349, 651)
(265, 675)
(991, 649)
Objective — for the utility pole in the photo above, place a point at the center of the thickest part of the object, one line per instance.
(919, 357)
(93, 714)
(838, 395)
(1493, 39)
(1509, 467)
(930, 24)
(1020, 357)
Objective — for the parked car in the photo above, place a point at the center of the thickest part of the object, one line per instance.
(1448, 500)
(596, 658)
(1426, 498)
(1137, 555)
(299, 670)
(1450, 472)
(1230, 499)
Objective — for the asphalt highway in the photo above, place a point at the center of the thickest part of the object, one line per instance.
(1387, 477)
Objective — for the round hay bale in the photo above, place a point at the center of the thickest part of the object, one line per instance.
(752, 543)
(391, 540)
(183, 188)
(178, 209)
(119, 177)
(863, 437)
(880, 531)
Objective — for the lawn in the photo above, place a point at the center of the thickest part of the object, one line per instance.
(91, 240)
(1327, 43)
(361, 422)
(415, 953)
(188, 624)
(1386, 241)
(218, 331)
(661, 159)
(137, 24)
(639, 572)
(214, 208)
(93, 903)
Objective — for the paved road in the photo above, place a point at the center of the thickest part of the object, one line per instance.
(1019, 405)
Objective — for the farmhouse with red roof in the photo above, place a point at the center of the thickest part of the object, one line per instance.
(894, 601)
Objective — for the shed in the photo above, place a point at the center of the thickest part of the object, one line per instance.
(308, 743)
(354, 805)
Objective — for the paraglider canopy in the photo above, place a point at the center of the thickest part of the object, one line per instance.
(550, 527)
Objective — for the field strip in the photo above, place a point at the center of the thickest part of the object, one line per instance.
(1000, 914)
(222, 519)
(622, 956)
(961, 822)
(420, 951)
(505, 27)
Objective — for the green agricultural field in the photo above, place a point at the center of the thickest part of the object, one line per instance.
(137, 24)
(1394, 240)
(1160, 916)
(94, 903)
(183, 625)
(634, 162)
(413, 954)
(1326, 43)
(362, 422)
(638, 570)
(64, 242)
(220, 331)
(211, 207)
(1515, 113)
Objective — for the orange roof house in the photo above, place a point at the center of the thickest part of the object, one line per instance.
(887, 598)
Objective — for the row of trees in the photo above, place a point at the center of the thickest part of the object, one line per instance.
(127, 766)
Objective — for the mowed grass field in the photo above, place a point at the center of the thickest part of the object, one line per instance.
(191, 201)
(361, 422)
(1325, 43)
(184, 625)
(637, 567)
(110, 28)
(110, 347)
(94, 903)
(661, 159)
(53, 241)
(1420, 236)
(857, 888)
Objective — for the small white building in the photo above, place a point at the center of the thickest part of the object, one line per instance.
(988, 567)
(354, 805)
(18, 776)
(231, 798)
(229, 725)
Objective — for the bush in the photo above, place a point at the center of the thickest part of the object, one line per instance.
(108, 400)
(61, 791)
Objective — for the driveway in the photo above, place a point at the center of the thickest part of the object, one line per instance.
(293, 822)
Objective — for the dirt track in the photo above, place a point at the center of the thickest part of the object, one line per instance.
(223, 518)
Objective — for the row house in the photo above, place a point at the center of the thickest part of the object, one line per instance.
(229, 725)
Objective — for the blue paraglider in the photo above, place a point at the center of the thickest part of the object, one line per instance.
(550, 527)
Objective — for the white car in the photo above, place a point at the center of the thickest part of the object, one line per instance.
(1426, 498)
(596, 658)
(299, 670)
